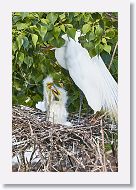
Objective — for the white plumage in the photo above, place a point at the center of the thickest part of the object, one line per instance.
(90, 75)
(54, 102)
(41, 106)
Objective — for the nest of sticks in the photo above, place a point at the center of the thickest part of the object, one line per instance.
(41, 146)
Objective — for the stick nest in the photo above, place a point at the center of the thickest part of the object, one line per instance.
(41, 146)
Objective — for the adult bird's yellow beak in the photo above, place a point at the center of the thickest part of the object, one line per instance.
(47, 48)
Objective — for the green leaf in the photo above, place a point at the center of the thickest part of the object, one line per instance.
(28, 61)
(101, 23)
(62, 27)
(99, 48)
(96, 15)
(48, 36)
(19, 41)
(58, 42)
(91, 36)
(70, 17)
(24, 14)
(71, 32)
(34, 28)
(57, 31)
(89, 45)
(50, 26)
(69, 25)
(86, 18)
(45, 21)
(16, 85)
(98, 31)
(43, 31)
(62, 16)
(16, 19)
(86, 28)
(110, 33)
(104, 41)
(107, 48)
(21, 26)
(92, 52)
(25, 42)
(14, 46)
(52, 17)
(21, 57)
(34, 39)
(97, 41)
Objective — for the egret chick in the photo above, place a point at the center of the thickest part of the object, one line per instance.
(54, 102)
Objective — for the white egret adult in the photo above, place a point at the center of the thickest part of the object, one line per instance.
(54, 102)
(90, 75)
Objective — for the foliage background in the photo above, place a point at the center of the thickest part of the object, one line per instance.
(32, 61)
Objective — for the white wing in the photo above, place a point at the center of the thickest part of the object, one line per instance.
(109, 88)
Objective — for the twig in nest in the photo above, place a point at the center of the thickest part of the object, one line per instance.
(72, 156)
(103, 148)
(49, 165)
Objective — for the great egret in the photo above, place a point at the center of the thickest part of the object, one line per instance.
(90, 75)
(54, 102)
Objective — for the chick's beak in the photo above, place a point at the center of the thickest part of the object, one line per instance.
(54, 90)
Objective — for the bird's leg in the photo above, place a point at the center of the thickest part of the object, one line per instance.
(80, 107)
(48, 113)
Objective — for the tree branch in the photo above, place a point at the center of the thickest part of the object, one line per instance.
(114, 51)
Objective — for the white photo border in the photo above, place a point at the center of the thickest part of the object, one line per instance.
(123, 9)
